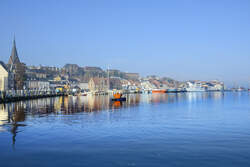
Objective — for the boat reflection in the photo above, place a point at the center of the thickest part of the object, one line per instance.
(116, 104)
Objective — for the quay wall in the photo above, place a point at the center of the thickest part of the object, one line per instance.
(18, 95)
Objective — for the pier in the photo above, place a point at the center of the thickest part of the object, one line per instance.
(18, 95)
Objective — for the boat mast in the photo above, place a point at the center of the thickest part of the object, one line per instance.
(108, 78)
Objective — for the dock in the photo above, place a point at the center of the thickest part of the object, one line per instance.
(19, 95)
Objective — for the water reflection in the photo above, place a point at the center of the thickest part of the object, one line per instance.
(16, 112)
(204, 96)
(191, 97)
(166, 128)
(13, 115)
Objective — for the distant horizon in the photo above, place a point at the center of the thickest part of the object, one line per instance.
(183, 40)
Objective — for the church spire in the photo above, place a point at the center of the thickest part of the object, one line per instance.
(14, 59)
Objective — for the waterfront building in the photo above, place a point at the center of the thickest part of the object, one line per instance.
(125, 84)
(34, 73)
(131, 85)
(115, 83)
(156, 83)
(83, 85)
(42, 72)
(97, 84)
(146, 85)
(37, 85)
(4, 77)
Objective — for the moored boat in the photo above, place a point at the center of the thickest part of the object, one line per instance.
(195, 87)
(118, 97)
(172, 90)
(84, 94)
(159, 91)
(240, 89)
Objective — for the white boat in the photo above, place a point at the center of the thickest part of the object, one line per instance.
(240, 89)
(195, 87)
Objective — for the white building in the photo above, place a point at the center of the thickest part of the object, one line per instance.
(146, 85)
(37, 85)
(83, 85)
(4, 77)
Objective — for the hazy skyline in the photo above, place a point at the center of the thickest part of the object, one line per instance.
(180, 39)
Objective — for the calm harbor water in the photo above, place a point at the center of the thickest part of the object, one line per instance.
(186, 129)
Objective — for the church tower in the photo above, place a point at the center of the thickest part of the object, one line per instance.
(16, 68)
(14, 59)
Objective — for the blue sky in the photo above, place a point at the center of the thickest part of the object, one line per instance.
(182, 39)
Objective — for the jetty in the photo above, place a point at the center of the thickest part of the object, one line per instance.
(18, 95)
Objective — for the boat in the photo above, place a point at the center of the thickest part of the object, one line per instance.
(240, 89)
(181, 90)
(195, 87)
(84, 94)
(159, 91)
(118, 97)
(172, 90)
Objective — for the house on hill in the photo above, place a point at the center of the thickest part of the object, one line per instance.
(115, 83)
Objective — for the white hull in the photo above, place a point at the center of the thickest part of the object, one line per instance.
(195, 89)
